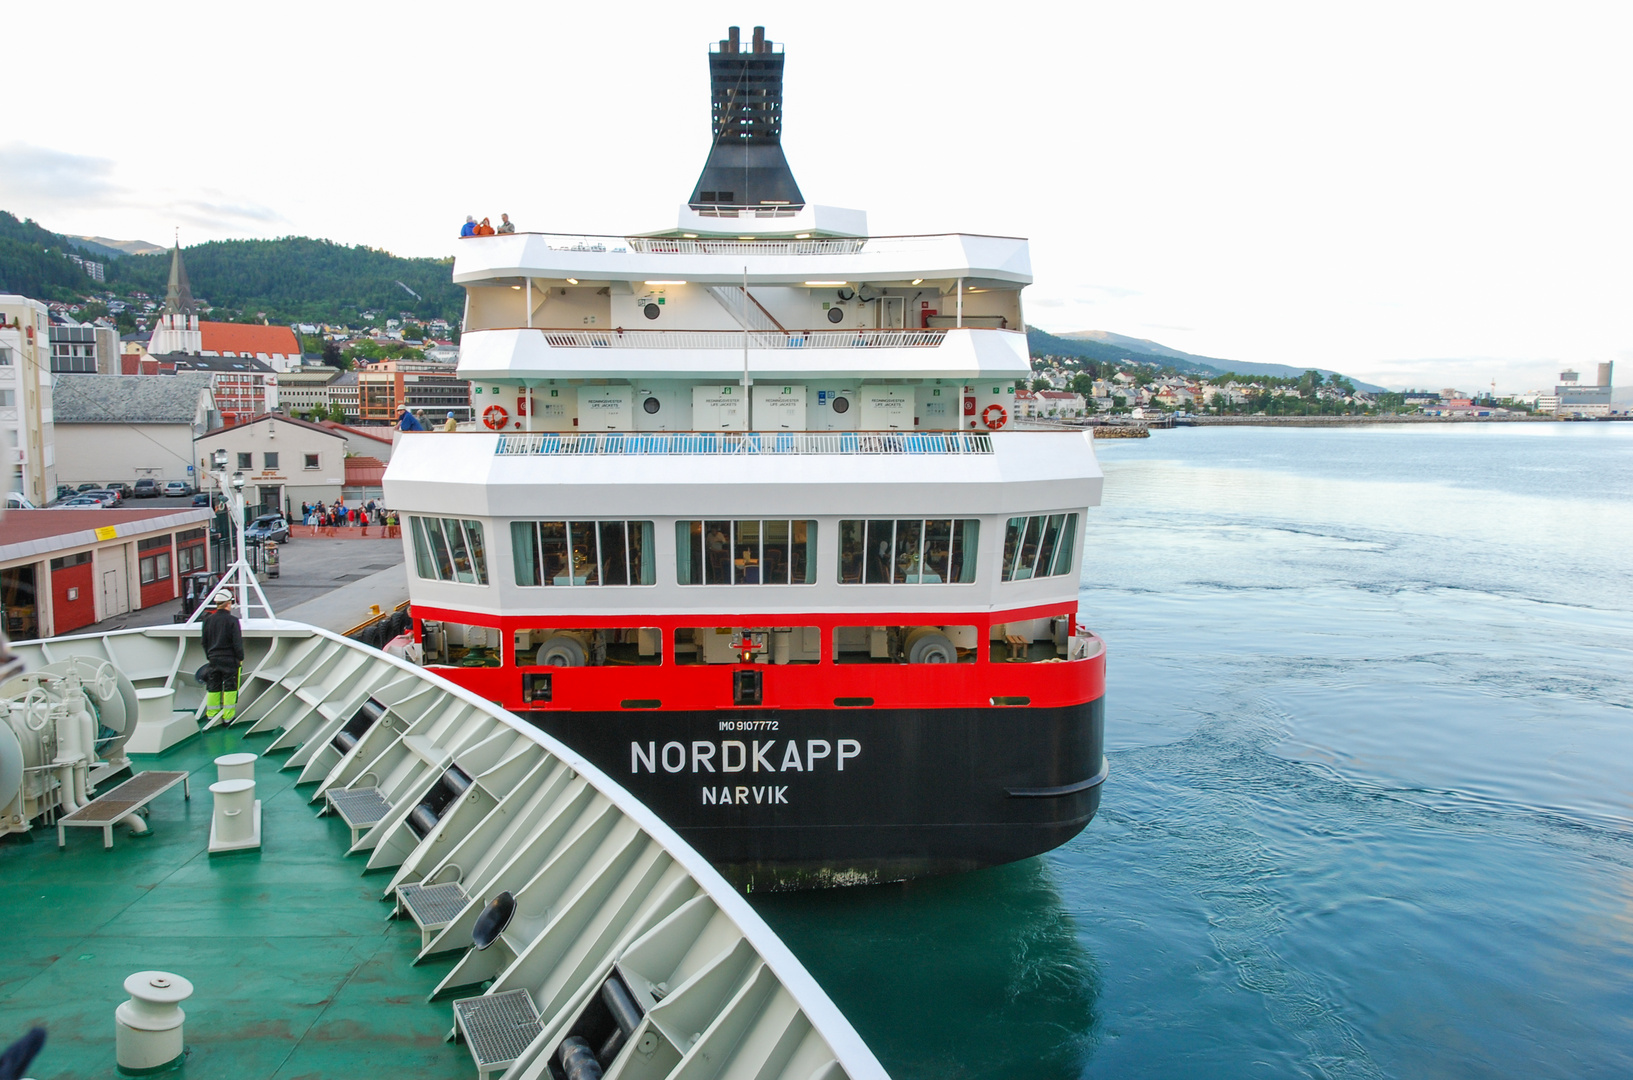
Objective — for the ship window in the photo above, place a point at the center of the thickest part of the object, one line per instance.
(1039, 546)
(460, 644)
(748, 645)
(599, 552)
(601, 647)
(905, 644)
(450, 549)
(914, 551)
(752, 552)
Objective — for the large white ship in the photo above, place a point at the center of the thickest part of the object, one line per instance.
(750, 525)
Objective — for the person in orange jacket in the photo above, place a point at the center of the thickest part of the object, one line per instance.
(484, 229)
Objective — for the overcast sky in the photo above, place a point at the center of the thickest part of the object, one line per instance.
(1413, 193)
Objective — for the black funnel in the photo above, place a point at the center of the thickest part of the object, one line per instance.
(746, 166)
(493, 920)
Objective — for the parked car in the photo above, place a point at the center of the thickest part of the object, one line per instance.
(268, 527)
(65, 491)
(103, 496)
(201, 498)
(80, 502)
(176, 488)
(18, 501)
(145, 489)
(122, 490)
(92, 486)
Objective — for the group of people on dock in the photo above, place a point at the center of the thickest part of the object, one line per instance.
(324, 520)
(472, 227)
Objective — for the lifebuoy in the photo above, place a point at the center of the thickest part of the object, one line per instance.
(495, 417)
(987, 416)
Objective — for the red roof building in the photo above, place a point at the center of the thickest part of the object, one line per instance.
(276, 345)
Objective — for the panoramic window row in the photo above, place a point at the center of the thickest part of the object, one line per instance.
(1032, 641)
(583, 552)
(902, 551)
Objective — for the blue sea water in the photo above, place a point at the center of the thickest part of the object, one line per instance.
(1370, 814)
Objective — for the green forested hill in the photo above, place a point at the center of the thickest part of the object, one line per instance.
(294, 279)
(1042, 343)
(291, 279)
(33, 263)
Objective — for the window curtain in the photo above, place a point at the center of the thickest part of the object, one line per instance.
(524, 551)
(969, 536)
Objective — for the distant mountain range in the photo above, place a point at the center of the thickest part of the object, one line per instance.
(112, 249)
(1103, 345)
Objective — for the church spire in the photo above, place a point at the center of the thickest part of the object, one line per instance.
(178, 297)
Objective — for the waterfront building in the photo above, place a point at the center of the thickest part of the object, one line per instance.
(1576, 399)
(84, 348)
(61, 570)
(27, 433)
(285, 461)
(131, 427)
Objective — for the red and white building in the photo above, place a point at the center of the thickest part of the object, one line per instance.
(61, 570)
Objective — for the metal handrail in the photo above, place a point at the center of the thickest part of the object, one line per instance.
(678, 245)
(733, 339)
(741, 443)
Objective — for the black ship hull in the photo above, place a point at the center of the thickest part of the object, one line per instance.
(789, 799)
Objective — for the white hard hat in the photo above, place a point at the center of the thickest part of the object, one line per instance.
(221, 598)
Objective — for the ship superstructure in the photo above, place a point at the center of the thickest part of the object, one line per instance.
(749, 524)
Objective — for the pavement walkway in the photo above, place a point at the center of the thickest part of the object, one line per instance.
(326, 582)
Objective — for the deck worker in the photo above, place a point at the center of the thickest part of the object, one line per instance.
(224, 649)
(450, 424)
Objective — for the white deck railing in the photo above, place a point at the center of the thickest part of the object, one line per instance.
(733, 339)
(752, 443)
(666, 245)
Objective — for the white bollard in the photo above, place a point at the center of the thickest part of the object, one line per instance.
(236, 824)
(147, 1028)
(235, 767)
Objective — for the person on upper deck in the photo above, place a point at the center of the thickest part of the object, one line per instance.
(407, 422)
(505, 224)
(450, 424)
(469, 228)
(484, 229)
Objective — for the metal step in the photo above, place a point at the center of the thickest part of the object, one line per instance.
(432, 907)
(360, 808)
(497, 1027)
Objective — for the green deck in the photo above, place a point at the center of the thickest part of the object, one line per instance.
(296, 970)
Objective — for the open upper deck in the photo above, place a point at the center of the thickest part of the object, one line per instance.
(991, 261)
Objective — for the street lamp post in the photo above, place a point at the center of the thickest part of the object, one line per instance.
(238, 577)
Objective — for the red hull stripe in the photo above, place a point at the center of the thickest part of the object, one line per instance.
(787, 686)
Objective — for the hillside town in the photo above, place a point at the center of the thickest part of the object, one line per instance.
(1073, 388)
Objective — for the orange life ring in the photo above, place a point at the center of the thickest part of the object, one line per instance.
(986, 417)
(495, 417)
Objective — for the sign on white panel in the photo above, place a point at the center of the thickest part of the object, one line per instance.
(604, 408)
(719, 408)
(989, 406)
(778, 407)
(938, 407)
(887, 408)
(550, 409)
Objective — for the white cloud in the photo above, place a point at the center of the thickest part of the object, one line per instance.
(79, 193)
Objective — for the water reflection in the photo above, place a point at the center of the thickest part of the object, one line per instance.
(973, 975)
